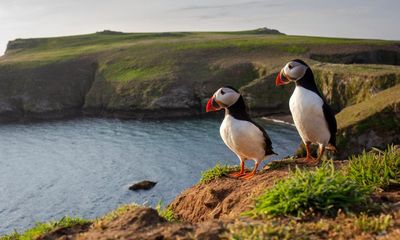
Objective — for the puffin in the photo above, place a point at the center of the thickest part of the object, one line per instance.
(312, 116)
(247, 139)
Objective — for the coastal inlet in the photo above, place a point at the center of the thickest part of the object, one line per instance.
(84, 167)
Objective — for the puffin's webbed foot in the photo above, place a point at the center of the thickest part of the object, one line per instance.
(237, 174)
(308, 160)
(241, 172)
(248, 176)
(251, 174)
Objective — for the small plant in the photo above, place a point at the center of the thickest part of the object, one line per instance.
(270, 229)
(166, 213)
(374, 224)
(111, 216)
(343, 226)
(324, 190)
(42, 228)
(217, 172)
(376, 169)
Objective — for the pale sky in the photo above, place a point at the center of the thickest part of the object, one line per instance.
(337, 18)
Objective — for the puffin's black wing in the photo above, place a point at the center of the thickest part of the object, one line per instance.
(267, 140)
(331, 120)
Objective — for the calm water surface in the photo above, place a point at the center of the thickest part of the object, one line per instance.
(83, 167)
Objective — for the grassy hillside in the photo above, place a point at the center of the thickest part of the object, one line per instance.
(62, 48)
(374, 122)
(164, 74)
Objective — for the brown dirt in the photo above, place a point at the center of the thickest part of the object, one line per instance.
(140, 223)
(228, 197)
(223, 198)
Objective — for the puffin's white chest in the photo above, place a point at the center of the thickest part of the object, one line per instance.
(308, 116)
(243, 138)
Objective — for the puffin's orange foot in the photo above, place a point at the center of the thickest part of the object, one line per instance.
(236, 174)
(247, 176)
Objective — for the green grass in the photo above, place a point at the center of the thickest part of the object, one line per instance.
(166, 213)
(374, 224)
(342, 227)
(126, 72)
(366, 112)
(324, 190)
(111, 216)
(376, 169)
(42, 228)
(46, 50)
(217, 172)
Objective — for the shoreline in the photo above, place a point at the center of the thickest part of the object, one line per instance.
(72, 114)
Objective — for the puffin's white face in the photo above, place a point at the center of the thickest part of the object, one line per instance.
(292, 71)
(222, 98)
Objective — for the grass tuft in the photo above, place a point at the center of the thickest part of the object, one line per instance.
(166, 213)
(374, 224)
(217, 172)
(42, 228)
(324, 190)
(111, 216)
(376, 169)
(342, 227)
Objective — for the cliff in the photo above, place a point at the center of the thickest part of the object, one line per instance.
(153, 75)
(159, 75)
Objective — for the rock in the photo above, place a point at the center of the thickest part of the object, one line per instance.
(143, 185)
(40, 91)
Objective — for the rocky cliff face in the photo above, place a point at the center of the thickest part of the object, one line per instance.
(345, 85)
(53, 90)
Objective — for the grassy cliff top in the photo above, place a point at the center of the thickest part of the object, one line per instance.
(61, 48)
(372, 106)
(358, 69)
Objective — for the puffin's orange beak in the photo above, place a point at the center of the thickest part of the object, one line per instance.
(279, 81)
(212, 105)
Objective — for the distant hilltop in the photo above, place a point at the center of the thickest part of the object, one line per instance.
(24, 43)
(265, 30)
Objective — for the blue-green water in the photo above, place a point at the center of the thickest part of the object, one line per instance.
(83, 167)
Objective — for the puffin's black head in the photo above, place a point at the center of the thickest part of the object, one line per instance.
(228, 98)
(295, 71)
(223, 98)
(299, 72)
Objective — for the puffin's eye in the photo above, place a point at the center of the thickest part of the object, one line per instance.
(290, 66)
(222, 92)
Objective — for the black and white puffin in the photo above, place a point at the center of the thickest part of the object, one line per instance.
(312, 116)
(243, 136)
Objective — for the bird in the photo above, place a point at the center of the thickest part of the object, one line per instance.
(312, 116)
(247, 139)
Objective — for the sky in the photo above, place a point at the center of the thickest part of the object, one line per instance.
(335, 18)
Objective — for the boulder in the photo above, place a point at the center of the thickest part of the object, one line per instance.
(143, 185)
